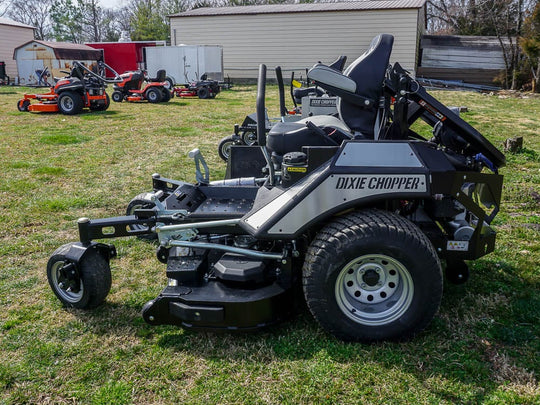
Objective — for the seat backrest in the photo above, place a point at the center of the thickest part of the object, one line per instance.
(368, 72)
(161, 75)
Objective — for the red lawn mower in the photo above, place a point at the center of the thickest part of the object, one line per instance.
(204, 88)
(129, 89)
(82, 88)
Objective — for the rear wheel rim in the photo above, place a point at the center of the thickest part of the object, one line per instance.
(67, 103)
(61, 283)
(374, 290)
(152, 95)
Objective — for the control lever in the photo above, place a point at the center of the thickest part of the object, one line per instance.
(197, 156)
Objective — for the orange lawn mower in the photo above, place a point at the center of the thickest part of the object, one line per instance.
(81, 88)
(131, 87)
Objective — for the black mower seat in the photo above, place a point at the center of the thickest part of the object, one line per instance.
(319, 130)
(161, 75)
(360, 86)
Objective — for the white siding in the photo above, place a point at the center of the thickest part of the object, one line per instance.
(11, 37)
(297, 41)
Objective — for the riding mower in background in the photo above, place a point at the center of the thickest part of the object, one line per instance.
(308, 101)
(131, 87)
(313, 100)
(203, 88)
(359, 212)
(82, 88)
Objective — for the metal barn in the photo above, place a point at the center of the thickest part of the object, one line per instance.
(12, 33)
(34, 56)
(295, 36)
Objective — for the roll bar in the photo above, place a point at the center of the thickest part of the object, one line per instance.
(104, 66)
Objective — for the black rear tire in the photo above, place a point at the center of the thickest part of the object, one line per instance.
(371, 276)
(153, 95)
(224, 147)
(87, 287)
(70, 103)
(165, 95)
(203, 92)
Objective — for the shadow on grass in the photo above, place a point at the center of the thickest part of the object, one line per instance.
(479, 325)
(181, 103)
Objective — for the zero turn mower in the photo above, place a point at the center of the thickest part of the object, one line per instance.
(203, 88)
(358, 215)
(82, 88)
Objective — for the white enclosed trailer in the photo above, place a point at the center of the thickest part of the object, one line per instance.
(186, 63)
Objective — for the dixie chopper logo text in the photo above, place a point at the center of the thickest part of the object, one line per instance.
(393, 183)
(322, 102)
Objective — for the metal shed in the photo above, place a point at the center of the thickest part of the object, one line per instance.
(12, 33)
(471, 59)
(295, 36)
(34, 56)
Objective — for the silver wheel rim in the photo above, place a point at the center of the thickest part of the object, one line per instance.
(67, 103)
(226, 149)
(135, 207)
(249, 138)
(374, 290)
(152, 95)
(56, 278)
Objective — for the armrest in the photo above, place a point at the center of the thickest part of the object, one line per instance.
(323, 74)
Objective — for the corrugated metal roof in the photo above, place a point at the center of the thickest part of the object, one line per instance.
(64, 45)
(67, 50)
(303, 8)
(7, 21)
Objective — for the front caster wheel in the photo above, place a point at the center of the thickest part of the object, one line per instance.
(117, 96)
(22, 105)
(371, 276)
(141, 201)
(224, 147)
(82, 286)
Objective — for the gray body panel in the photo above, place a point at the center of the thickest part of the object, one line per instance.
(337, 186)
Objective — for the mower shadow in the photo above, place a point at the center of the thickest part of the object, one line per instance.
(453, 347)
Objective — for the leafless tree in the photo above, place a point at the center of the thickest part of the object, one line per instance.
(35, 14)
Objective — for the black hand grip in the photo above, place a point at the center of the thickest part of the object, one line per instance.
(281, 88)
(261, 116)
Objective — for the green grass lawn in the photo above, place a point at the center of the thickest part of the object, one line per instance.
(482, 347)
